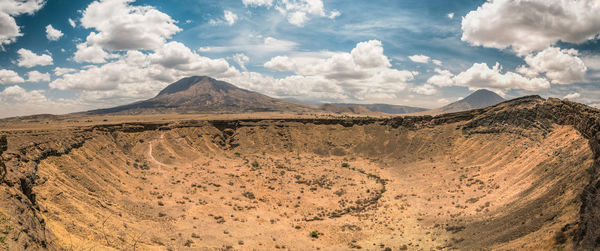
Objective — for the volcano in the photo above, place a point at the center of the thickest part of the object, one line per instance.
(201, 94)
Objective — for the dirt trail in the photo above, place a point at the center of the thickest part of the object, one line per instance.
(168, 150)
(151, 157)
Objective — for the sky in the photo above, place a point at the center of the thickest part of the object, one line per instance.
(62, 56)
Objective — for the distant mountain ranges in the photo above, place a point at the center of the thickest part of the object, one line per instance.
(201, 94)
(386, 108)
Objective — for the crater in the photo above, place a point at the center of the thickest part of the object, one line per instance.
(459, 181)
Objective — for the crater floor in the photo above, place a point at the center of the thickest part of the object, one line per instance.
(270, 186)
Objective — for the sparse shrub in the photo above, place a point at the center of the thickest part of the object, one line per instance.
(248, 195)
(346, 165)
(237, 154)
(314, 234)
(254, 164)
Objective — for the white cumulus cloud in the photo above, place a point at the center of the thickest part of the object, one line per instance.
(297, 18)
(23, 102)
(560, 66)
(36, 76)
(531, 25)
(573, 95)
(121, 26)
(334, 13)
(354, 65)
(29, 59)
(9, 9)
(363, 73)
(425, 89)
(281, 63)
(10, 77)
(59, 71)
(90, 54)
(16, 94)
(175, 55)
(53, 34)
(370, 55)
(297, 12)
(419, 59)
(230, 17)
(241, 59)
(140, 75)
(441, 78)
(480, 76)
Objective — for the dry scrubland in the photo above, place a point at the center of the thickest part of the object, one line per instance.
(519, 175)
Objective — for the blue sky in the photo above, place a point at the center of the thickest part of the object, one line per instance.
(418, 53)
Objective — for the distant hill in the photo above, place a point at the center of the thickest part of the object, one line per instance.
(200, 94)
(33, 118)
(306, 102)
(351, 109)
(478, 99)
(386, 108)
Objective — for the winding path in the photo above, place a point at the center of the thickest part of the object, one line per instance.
(151, 157)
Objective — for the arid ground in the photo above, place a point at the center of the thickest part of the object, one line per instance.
(516, 176)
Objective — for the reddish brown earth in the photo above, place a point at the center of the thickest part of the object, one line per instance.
(519, 175)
